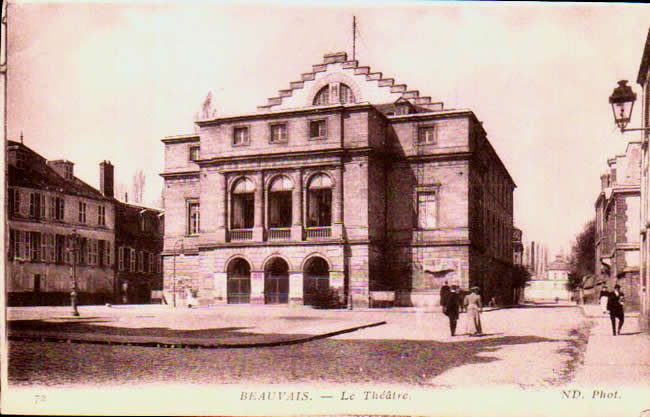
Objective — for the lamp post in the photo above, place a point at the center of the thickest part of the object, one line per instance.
(73, 294)
(174, 276)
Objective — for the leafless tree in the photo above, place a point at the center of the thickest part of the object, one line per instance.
(138, 186)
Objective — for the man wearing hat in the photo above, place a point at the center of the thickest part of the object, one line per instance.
(474, 307)
(452, 307)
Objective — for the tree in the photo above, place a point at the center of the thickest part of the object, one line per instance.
(138, 186)
(582, 261)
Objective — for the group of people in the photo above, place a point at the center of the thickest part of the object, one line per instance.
(453, 303)
(612, 302)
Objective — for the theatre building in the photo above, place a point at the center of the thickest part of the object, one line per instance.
(346, 180)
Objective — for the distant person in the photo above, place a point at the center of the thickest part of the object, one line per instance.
(444, 292)
(604, 297)
(473, 303)
(452, 308)
(615, 307)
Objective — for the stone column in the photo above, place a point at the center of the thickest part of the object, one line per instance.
(296, 207)
(295, 288)
(337, 203)
(222, 204)
(257, 287)
(258, 225)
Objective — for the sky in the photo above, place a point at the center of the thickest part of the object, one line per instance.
(91, 81)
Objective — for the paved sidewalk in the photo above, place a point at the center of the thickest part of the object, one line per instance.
(619, 360)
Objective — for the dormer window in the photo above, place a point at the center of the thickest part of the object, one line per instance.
(68, 171)
(334, 93)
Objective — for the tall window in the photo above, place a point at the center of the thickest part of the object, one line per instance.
(107, 258)
(150, 265)
(240, 136)
(82, 212)
(83, 251)
(140, 257)
(121, 265)
(280, 202)
(36, 205)
(317, 129)
(319, 201)
(346, 95)
(101, 215)
(93, 251)
(243, 204)
(68, 172)
(132, 260)
(14, 201)
(426, 135)
(279, 132)
(193, 212)
(427, 210)
(60, 208)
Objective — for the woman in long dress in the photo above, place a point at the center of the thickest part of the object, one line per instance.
(604, 297)
(474, 307)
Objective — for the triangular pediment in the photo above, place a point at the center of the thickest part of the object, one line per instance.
(366, 86)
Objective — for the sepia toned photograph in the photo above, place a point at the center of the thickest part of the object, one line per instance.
(304, 208)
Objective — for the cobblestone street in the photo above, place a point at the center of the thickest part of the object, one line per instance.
(538, 347)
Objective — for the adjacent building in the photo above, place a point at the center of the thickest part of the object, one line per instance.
(552, 286)
(346, 181)
(62, 230)
(617, 224)
(643, 80)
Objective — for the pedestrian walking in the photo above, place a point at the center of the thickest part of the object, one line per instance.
(615, 307)
(452, 307)
(474, 307)
(604, 297)
(444, 292)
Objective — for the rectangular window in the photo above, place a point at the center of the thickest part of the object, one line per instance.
(82, 212)
(68, 171)
(60, 208)
(195, 153)
(12, 244)
(193, 224)
(42, 206)
(427, 210)
(34, 205)
(60, 249)
(120, 259)
(279, 132)
(150, 266)
(317, 129)
(83, 251)
(18, 244)
(36, 246)
(45, 253)
(101, 215)
(132, 260)
(51, 214)
(240, 136)
(27, 236)
(14, 196)
(92, 251)
(140, 257)
(426, 135)
(107, 258)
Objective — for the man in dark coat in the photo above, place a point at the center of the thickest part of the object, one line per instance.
(444, 292)
(615, 307)
(452, 308)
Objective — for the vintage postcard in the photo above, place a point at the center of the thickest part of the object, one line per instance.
(311, 208)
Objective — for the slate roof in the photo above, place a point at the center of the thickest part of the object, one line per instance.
(37, 174)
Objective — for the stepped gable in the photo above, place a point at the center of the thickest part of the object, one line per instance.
(366, 85)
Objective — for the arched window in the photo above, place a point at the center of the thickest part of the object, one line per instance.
(279, 214)
(319, 201)
(344, 95)
(243, 204)
(322, 97)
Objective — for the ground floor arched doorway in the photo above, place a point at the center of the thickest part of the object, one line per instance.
(316, 278)
(239, 282)
(276, 282)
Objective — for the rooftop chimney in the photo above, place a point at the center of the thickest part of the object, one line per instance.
(106, 179)
(335, 57)
(63, 167)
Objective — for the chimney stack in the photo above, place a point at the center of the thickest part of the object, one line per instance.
(106, 179)
(63, 167)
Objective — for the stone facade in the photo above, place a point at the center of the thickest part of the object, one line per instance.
(617, 224)
(346, 181)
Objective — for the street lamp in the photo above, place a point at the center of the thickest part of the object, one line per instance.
(174, 276)
(73, 294)
(622, 102)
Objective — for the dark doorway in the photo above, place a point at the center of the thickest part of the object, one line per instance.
(276, 282)
(239, 282)
(316, 277)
